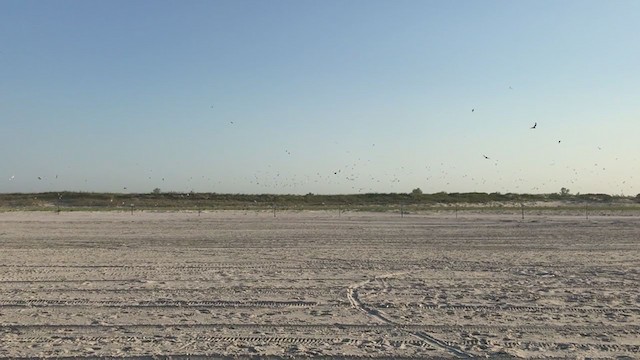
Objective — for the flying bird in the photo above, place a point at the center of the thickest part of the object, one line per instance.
(534, 125)
(472, 110)
(485, 156)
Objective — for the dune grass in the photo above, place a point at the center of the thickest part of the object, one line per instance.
(374, 202)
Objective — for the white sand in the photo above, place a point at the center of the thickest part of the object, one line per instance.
(315, 284)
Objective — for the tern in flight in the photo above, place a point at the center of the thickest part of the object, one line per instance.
(534, 125)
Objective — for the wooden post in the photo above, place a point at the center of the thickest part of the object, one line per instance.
(401, 210)
(274, 209)
(586, 210)
(456, 211)
(132, 209)
(522, 208)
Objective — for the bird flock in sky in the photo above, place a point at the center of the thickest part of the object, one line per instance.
(358, 172)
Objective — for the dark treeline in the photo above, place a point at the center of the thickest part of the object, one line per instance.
(174, 200)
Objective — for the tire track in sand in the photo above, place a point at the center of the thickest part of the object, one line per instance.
(156, 304)
(352, 295)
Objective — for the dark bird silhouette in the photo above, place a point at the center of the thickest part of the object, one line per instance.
(485, 156)
(472, 110)
(534, 125)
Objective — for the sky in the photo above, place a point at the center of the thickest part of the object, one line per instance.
(324, 97)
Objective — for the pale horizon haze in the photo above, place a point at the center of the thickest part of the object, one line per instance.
(324, 97)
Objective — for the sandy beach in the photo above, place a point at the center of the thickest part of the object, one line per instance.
(315, 284)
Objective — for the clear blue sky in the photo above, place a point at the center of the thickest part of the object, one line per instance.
(320, 96)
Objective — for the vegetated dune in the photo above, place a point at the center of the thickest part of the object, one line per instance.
(374, 202)
(319, 283)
